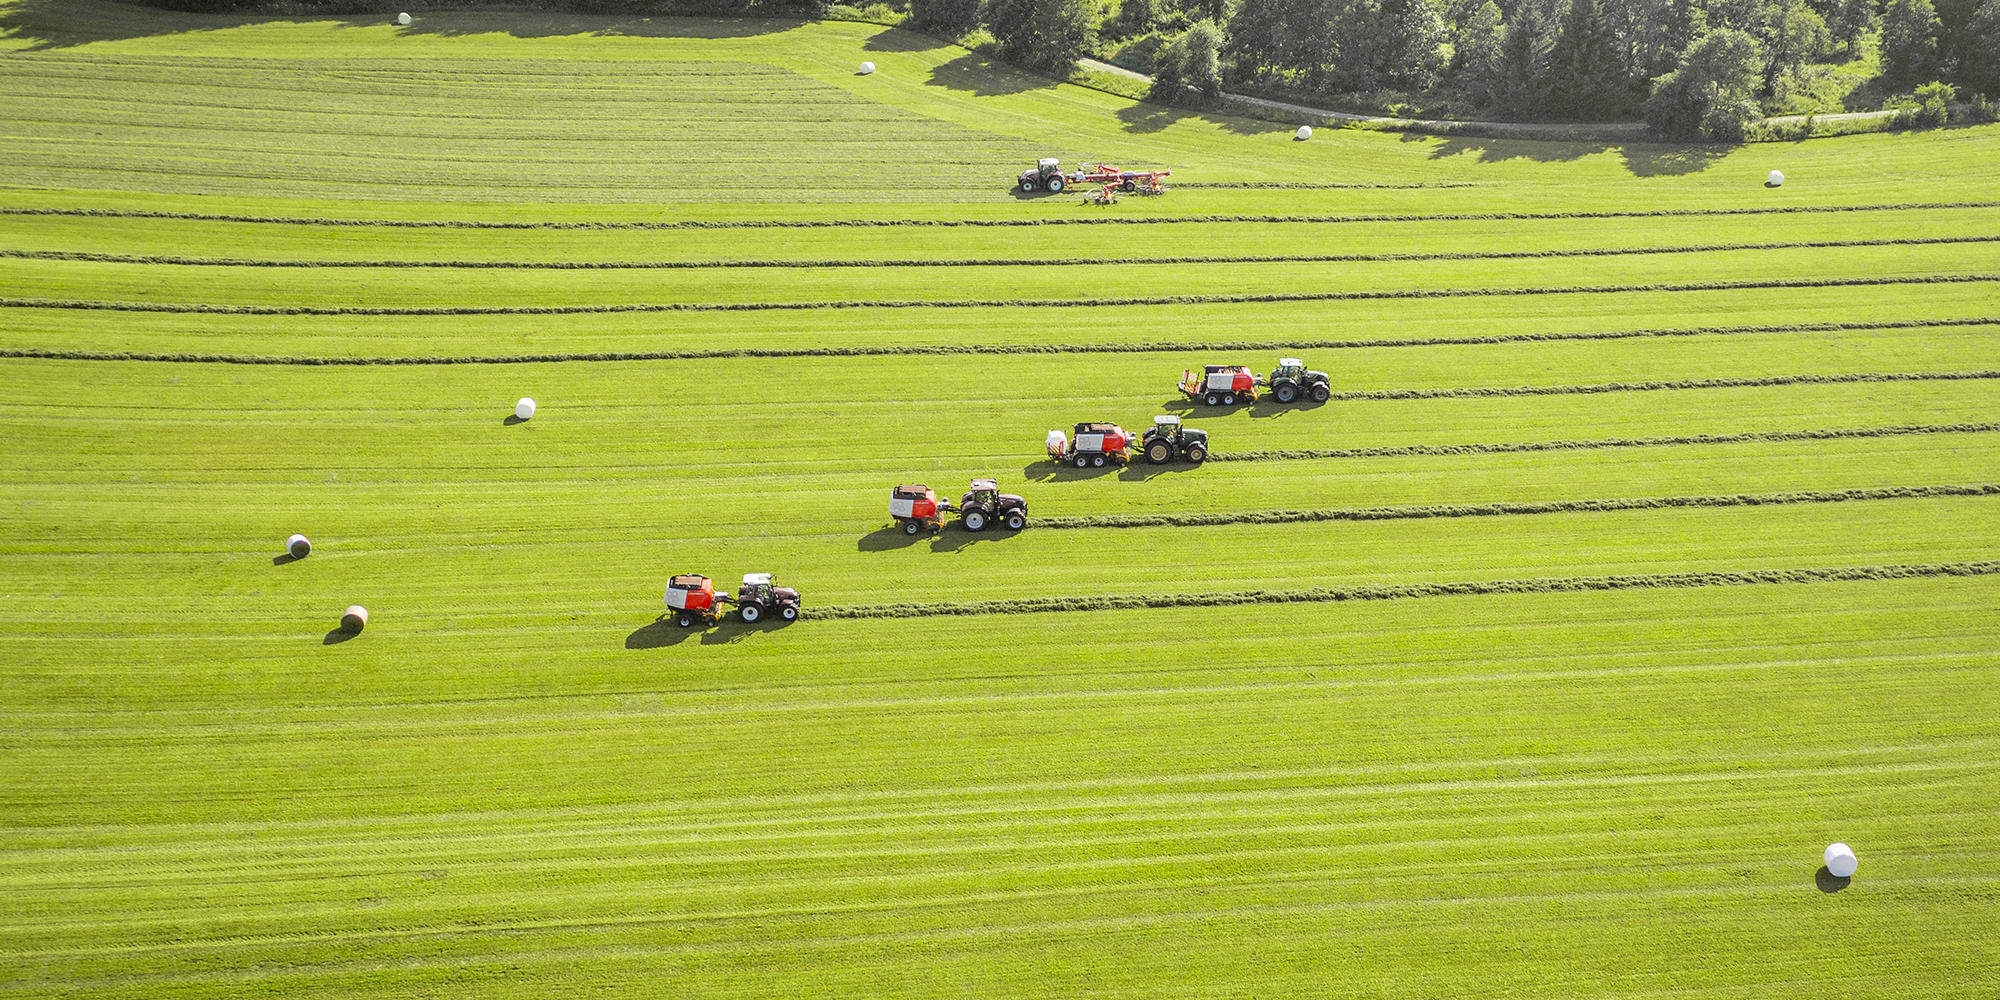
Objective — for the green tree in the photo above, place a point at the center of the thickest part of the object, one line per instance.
(1794, 34)
(1585, 77)
(945, 18)
(1980, 70)
(1201, 57)
(1524, 61)
(1712, 95)
(1909, 40)
(1135, 17)
(1049, 35)
(1410, 44)
(1848, 20)
(1476, 52)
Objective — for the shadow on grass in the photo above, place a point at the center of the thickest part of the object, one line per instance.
(510, 420)
(982, 77)
(57, 24)
(1828, 882)
(283, 559)
(1268, 406)
(661, 632)
(891, 537)
(337, 636)
(1046, 471)
(1147, 117)
(903, 40)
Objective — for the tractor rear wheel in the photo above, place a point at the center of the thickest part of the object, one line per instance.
(1016, 520)
(751, 612)
(789, 612)
(974, 520)
(1158, 452)
(1212, 398)
(1196, 453)
(910, 526)
(1055, 185)
(1286, 392)
(1320, 393)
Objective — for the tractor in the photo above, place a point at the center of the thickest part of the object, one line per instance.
(1167, 438)
(983, 503)
(1046, 176)
(1220, 385)
(692, 598)
(917, 507)
(757, 598)
(1291, 379)
(1091, 444)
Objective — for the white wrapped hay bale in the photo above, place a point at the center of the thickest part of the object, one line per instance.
(299, 546)
(867, 68)
(355, 619)
(1305, 132)
(525, 408)
(1840, 861)
(1775, 179)
(403, 19)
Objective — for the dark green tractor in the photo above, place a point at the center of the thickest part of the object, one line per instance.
(1291, 380)
(1167, 439)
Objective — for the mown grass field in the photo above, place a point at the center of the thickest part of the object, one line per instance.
(1650, 541)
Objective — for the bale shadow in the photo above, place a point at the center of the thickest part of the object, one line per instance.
(280, 560)
(1828, 882)
(337, 636)
(512, 419)
(661, 632)
(891, 537)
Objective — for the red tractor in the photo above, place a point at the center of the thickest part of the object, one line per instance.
(1221, 385)
(757, 598)
(1092, 444)
(983, 504)
(692, 598)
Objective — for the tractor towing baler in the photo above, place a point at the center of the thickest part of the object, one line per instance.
(1091, 444)
(1167, 439)
(1292, 380)
(1221, 385)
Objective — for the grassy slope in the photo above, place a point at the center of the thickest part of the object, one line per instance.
(516, 783)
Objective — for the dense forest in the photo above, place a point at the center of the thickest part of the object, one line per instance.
(1690, 68)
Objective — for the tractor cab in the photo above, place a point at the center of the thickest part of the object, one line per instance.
(758, 597)
(1167, 439)
(983, 504)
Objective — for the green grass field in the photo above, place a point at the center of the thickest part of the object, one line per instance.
(1650, 542)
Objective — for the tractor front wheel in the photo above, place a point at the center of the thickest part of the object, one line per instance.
(1055, 185)
(1158, 452)
(1286, 392)
(751, 612)
(1196, 453)
(789, 612)
(910, 526)
(1320, 393)
(1016, 520)
(974, 520)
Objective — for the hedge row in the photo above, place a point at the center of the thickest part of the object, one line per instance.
(1391, 592)
(1202, 519)
(1151, 347)
(1495, 448)
(678, 265)
(1081, 220)
(206, 308)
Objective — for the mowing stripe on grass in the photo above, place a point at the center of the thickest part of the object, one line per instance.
(1202, 519)
(1506, 447)
(1089, 220)
(679, 265)
(944, 349)
(1394, 592)
(207, 308)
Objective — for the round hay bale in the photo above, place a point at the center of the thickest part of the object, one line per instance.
(1840, 861)
(298, 546)
(525, 408)
(867, 68)
(1775, 179)
(355, 619)
(403, 19)
(1305, 132)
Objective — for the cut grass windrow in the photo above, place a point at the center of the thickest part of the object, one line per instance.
(1090, 220)
(1504, 447)
(1198, 519)
(695, 265)
(206, 308)
(49, 354)
(1394, 592)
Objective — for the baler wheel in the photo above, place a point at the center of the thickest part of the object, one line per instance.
(910, 526)
(1212, 399)
(1097, 460)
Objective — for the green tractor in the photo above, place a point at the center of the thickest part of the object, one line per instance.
(1291, 380)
